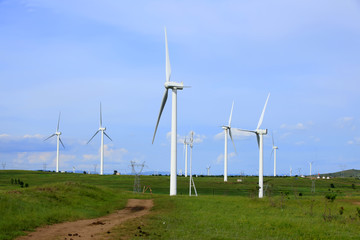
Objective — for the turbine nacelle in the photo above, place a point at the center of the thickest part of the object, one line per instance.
(58, 133)
(174, 85)
(102, 128)
(261, 131)
(225, 127)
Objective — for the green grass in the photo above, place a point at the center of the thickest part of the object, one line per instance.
(222, 211)
(229, 217)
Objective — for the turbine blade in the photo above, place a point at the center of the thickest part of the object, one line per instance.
(107, 136)
(168, 67)
(100, 116)
(50, 137)
(262, 114)
(93, 136)
(271, 154)
(244, 130)
(161, 110)
(61, 143)
(258, 140)
(232, 140)
(232, 107)
(57, 129)
(272, 136)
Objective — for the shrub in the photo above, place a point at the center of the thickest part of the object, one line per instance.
(300, 194)
(332, 185)
(341, 210)
(330, 196)
(353, 186)
(26, 185)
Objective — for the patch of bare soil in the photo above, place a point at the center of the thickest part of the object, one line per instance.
(92, 228)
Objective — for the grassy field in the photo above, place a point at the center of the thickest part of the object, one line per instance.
(230, 210)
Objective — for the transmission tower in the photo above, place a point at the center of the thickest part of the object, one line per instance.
(313, 185)
(140, 167)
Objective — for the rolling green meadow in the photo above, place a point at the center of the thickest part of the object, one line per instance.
(289, 210)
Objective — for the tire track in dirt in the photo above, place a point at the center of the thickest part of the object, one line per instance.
(91, 228)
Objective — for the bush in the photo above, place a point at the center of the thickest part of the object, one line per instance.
(341, 210)
(330, 196)
(332, 185)
(353, 186)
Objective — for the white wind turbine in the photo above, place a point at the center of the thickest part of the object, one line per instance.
(310, 163)
(102, 130)
(191, 176)
(227, 129)
(186, 155)
(58, 140)
(274, 148)
(208, 170)
(174, 86)
(259, 137)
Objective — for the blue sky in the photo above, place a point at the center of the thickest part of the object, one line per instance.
(69, 55)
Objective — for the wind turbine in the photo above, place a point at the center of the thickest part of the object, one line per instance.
(310, 166)
(259, 137)
(191, 176)
(58, 140)
(174, 86)
(208, 170)
(102, 130)
(227, 129)
(274, 148)
(186, 155)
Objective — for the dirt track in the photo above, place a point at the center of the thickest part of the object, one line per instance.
(91, 228)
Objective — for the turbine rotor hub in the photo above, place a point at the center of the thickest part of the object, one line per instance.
(262, 131)
(174, 85)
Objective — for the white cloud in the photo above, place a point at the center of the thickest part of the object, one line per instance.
(299, 143)
(356, 140)
(285, 135)
(220, 158)
(346, 122)
(315, 139)
(38, 136)
(298, 126)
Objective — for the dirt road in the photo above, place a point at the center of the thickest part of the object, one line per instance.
(91, 228)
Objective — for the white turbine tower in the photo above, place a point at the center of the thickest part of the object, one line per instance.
(186, 155)
(259, 137)
(58, 140)
(310, 163)
(191, 177)
(208, 170)
(290, 171)
(102, 130)
(227, 130)
(274, 148)
(174, 86)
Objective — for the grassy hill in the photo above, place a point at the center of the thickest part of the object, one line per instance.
(290, 209)
(345, 173)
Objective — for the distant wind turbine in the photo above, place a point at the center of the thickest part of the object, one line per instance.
(174, 86)
(310, 163)
(58, 140)
(227, 130)
(274, 148)
(208, 170)
(186, 155)
(259, 137)
(102, 130)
